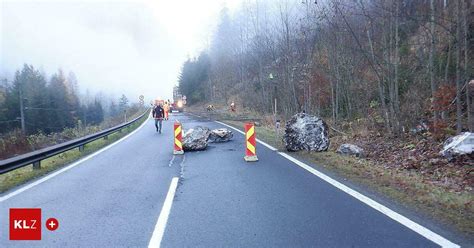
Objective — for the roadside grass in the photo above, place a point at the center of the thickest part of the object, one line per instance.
(455, 209)
(22, 175)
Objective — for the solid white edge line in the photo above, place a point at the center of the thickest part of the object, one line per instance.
(45, 178)
(261, 142)
(423, 231)
(160, 226)
(195, 115)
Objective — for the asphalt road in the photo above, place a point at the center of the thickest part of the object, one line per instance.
(114, 199)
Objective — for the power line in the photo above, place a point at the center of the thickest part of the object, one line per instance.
(44, 126)
(8, 121)
(53, 109)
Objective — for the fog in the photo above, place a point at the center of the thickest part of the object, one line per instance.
(114, 47)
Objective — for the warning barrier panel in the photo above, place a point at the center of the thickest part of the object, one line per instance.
(251, 143)
(178, 138)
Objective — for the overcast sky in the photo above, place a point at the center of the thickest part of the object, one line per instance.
(131, 47)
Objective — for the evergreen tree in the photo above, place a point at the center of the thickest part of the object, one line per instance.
(35, 99)
(123, 103)
(95, 112)
(61, 114)
(194, 77)
(49, 106)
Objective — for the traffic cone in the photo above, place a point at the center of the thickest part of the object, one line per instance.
(178, 138)
(251, 144)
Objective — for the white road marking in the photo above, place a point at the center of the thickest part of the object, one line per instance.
(44, 179)
(423, 231)
(171, 161)
(181, 165)
(195, 115)
(160, 226)
(261, 142)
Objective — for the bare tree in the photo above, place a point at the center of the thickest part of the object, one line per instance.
(431, 66)
(343, 59)
(458, 68)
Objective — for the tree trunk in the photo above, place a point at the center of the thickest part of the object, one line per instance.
(448, 60)
(397, 59)
(458, 69)
(333, 89)
(380, 87)
(431, 65)
(467, 69)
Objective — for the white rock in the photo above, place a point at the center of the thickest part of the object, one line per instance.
(306, 132)
(195, 139)
(458, 145)
(350, 149)
(220, 135)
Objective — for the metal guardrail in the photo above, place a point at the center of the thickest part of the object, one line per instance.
(34, 158)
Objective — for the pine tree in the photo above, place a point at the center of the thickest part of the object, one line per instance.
(113, 110)
(123, 103)
(61, 111)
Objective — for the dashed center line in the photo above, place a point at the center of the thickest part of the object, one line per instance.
(181, 174)
(171, 161)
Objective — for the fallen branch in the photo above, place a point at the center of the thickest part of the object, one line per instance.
(332, 128)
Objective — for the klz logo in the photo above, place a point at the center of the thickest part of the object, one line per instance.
(25, 223)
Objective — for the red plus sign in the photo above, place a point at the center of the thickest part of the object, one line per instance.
(52, 224)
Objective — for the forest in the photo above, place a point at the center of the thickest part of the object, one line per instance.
(38, 110)
(394, 64)
(32, 103)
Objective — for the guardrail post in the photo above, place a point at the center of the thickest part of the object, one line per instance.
(37, 165)
(81, 148)
(106, 137)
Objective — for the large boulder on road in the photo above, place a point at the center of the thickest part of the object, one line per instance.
(220, 135)
(462, 144)
(350, 149)
(306, 132)
(195, 139)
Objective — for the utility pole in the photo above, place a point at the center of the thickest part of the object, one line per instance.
(22, 111)
(275, 118)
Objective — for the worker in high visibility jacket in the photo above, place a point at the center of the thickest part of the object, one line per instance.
(166, 108)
